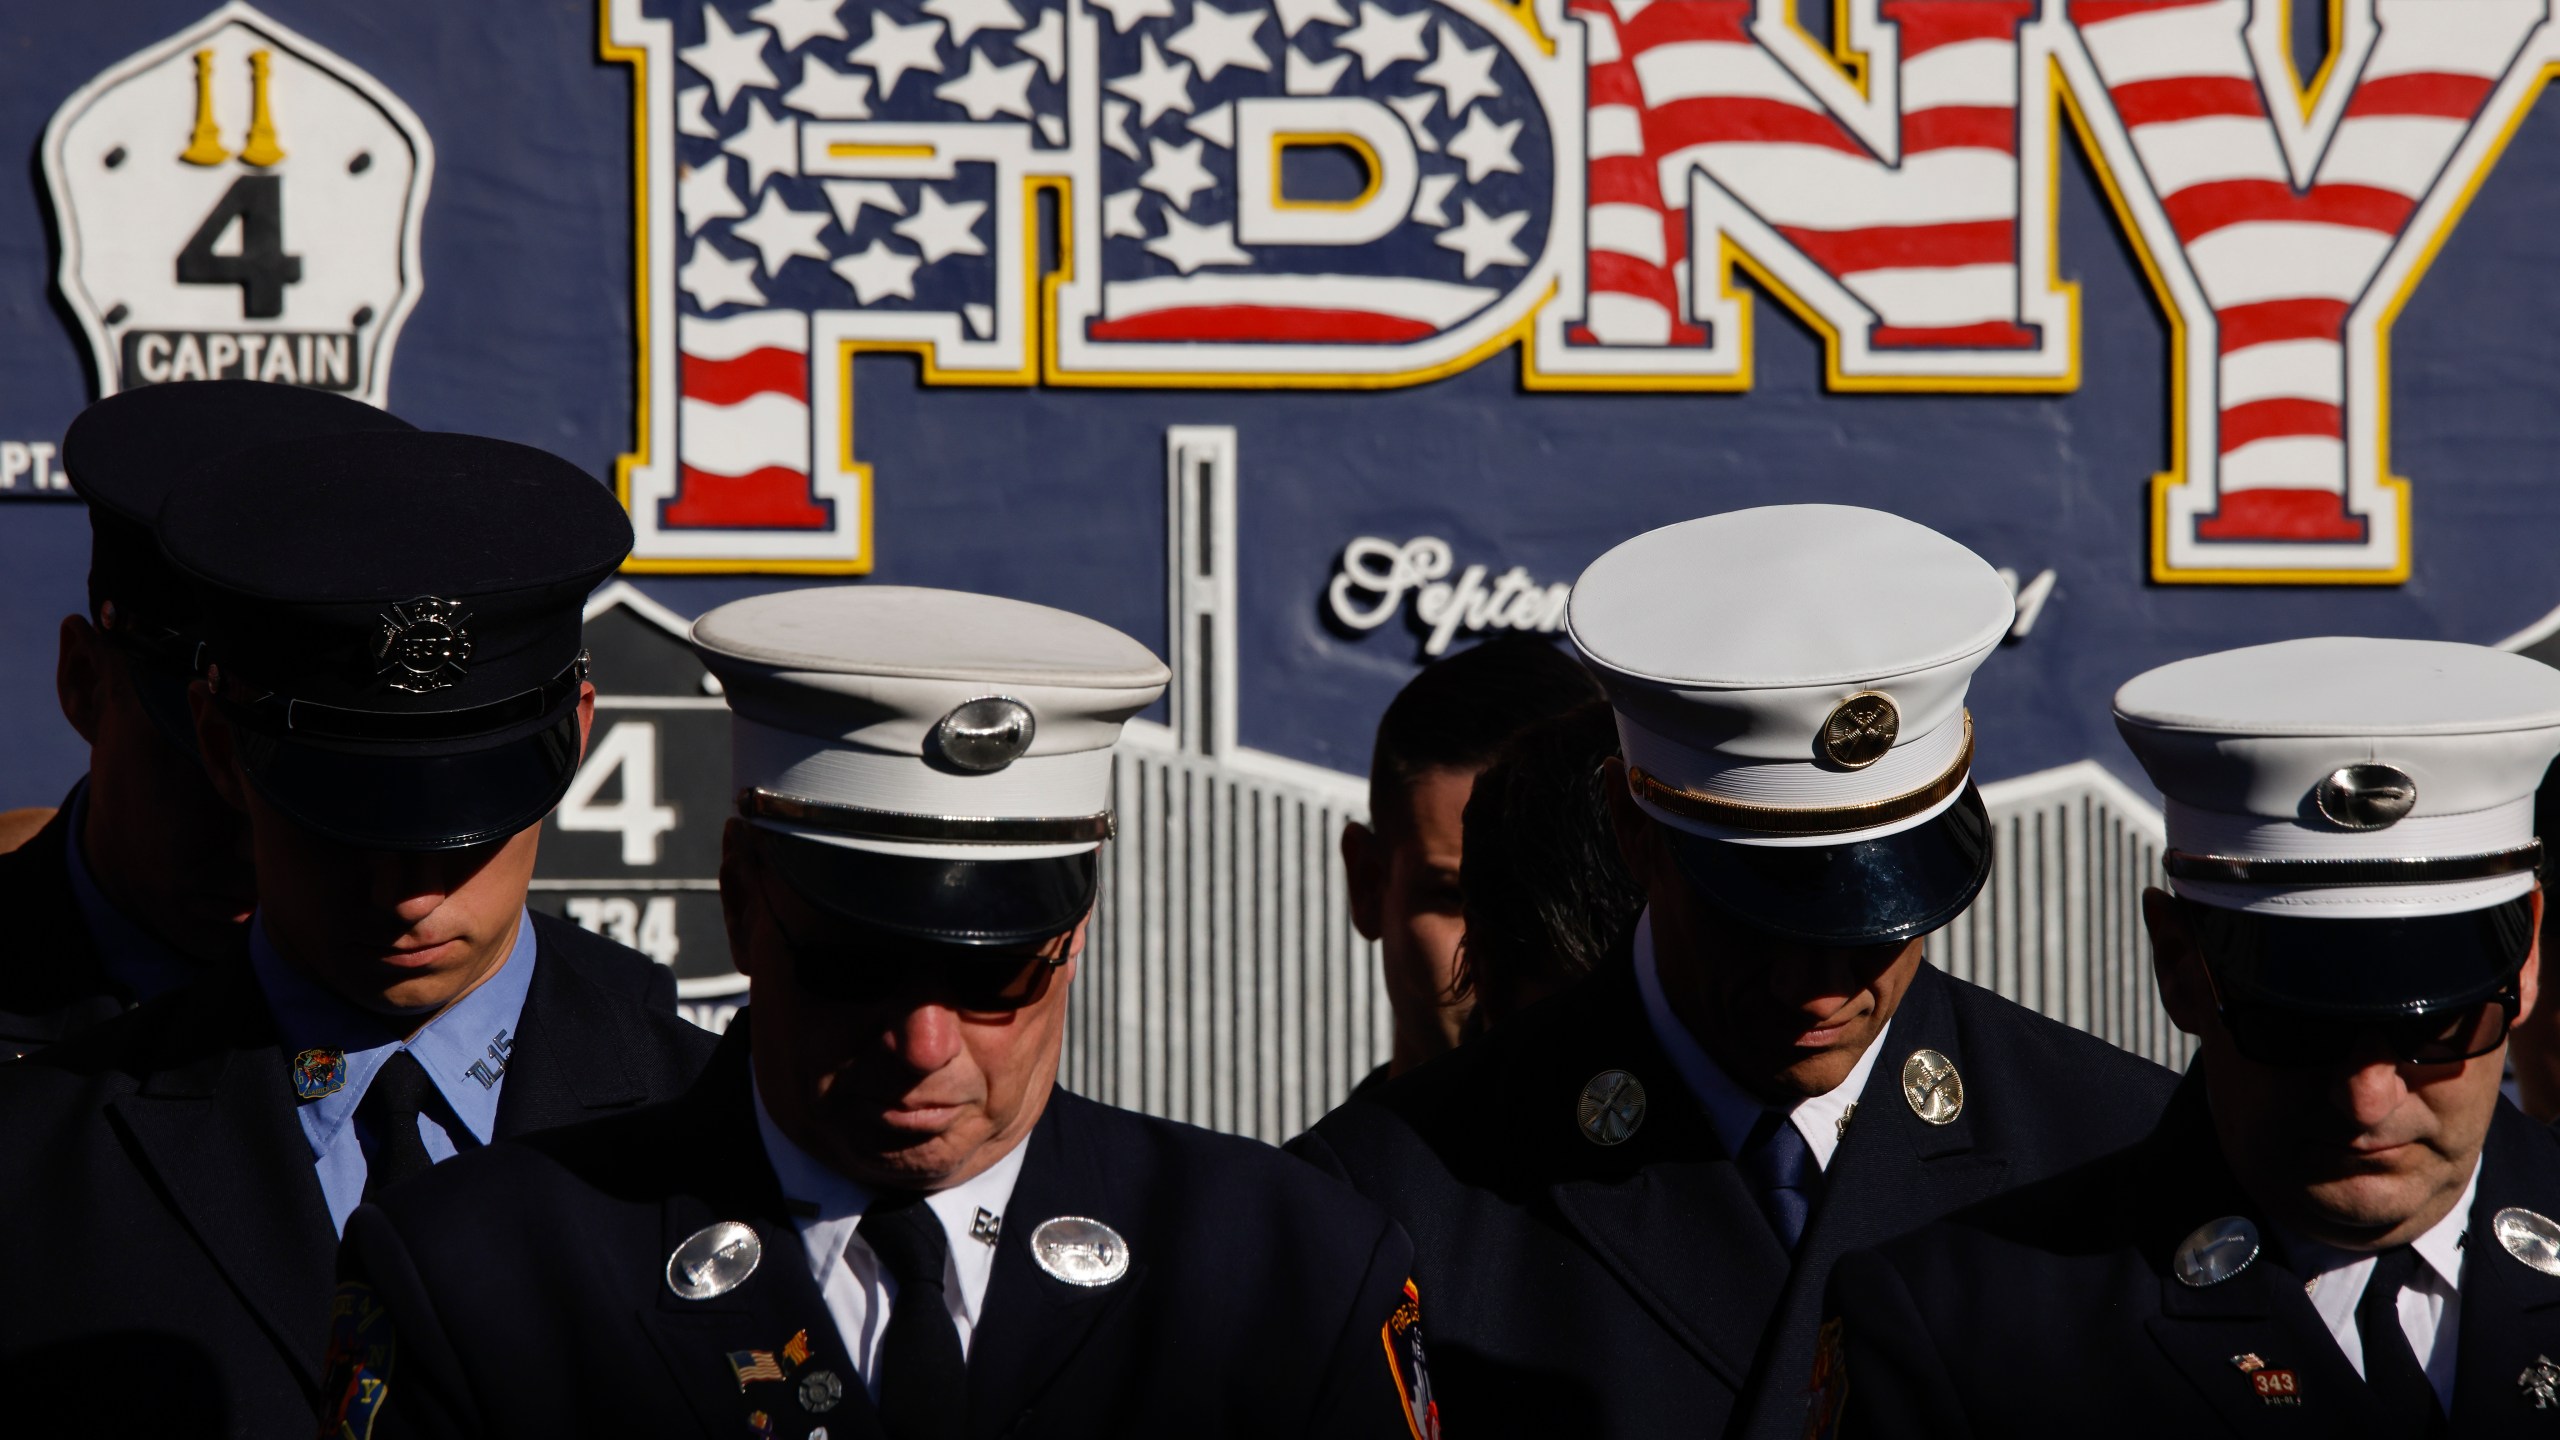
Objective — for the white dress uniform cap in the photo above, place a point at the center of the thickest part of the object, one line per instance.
(2347, 777)
(2361, 809)
(1793, 678)
(931, 726)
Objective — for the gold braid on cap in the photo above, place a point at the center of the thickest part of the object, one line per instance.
(1790, 820)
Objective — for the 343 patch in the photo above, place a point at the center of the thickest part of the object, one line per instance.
(1828, 1388)
(1402, 1336)
(356, 1376)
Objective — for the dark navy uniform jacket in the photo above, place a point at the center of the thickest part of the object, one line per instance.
(53, 984)
(171, 1259)
(2054, 1309)
(1637, 1290)
(524, 1290)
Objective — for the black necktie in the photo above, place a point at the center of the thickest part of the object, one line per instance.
(1780, 1167)
(2391, 1370)
(923, 1376)
(390, 1107)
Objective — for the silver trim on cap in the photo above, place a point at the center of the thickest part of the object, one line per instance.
(2411, 870)
(758, 803)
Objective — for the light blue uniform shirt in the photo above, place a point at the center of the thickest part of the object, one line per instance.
(139, 963)
(464, 1051)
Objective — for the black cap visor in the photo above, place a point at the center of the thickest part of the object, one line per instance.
(2363, 969)
(448, 796)
(978, 903)
(1864, 892)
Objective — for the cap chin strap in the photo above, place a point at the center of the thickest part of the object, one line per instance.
(1793, 820)
(2294, 872)
(284, 715)
(862, 823)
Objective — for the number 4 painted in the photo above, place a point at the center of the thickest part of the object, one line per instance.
(259, 267)
(630, 748)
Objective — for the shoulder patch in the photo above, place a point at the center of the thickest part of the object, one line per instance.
(356, 1376)
(1828, 1389)
(1402, 1337)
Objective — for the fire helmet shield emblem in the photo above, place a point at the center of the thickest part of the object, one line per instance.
(420, 646)
(238, 203)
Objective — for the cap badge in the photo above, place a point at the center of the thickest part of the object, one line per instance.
(422, 644)
(319, 1072)
(984, 735)
(1612, 1107)
(2533, 1239)
(1933, 1087)
(1080, 1251)
(2218, 1250)
(1861, 730)
(714, 1260)
(2365, 797)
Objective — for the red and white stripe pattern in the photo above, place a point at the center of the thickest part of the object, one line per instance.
(1930, 245)
(742, 428)
(2280, 267)
(1323, 309)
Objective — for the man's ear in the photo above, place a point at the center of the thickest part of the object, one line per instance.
(2529, 979)
(1364, 867)
(586, 714)
(81, 670)
(213, 743)
(2176, 964)
(738, 871)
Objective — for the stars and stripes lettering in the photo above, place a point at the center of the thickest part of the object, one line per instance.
(1362, 193)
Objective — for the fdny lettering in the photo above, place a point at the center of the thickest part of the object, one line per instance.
(1264, 196)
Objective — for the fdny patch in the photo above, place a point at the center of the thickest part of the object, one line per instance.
(1402, 1336)
(356, 1375)
(1828, 1389)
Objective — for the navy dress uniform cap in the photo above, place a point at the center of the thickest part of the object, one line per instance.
(396, 621)
(931, 764)
(2351, 819)
(1789, 683)
(123, 456)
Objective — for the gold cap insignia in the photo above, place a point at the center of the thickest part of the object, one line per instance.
(1861, 730)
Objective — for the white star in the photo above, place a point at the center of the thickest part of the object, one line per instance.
(714, 280)
(847, 197)
(1485, 146)
(1218, 126)
(1486, 240)
(830, 93)
(989, 89)
(704, 195)
(797, 22)
(1122, 217)
(1046, 42)
(779, 232)
(1416, 110)
(895, 49)
(1157, 87)
(1463, 76)
(1382, 38)
(1216, 39)
(730, 59)
(1430, 201)
(1295, 15)
(1125, 13)
(770, 145)
(941, 228)
(1191, 246)
(689, 117)
(879, 272)
(968, 17)
(1177, 173)
(1115, 128)
(1314, 77)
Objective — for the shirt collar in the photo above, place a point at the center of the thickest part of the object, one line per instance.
(1731, 1110)
(463, 1050)
(139, 962)
(2440, 1247)
(828, 1208)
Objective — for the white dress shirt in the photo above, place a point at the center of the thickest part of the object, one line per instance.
(2430, 1305)
(1731, 1110)
(858, 1290)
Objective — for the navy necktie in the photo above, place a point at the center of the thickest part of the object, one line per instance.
(390, 1108)
(923, 1375)
(1780, 1167)
(2391, 1368)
